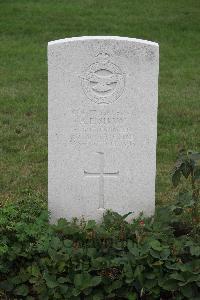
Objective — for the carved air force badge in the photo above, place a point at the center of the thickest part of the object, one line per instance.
(103, 82)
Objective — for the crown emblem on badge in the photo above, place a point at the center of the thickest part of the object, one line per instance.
(103, 57)
(103, 82)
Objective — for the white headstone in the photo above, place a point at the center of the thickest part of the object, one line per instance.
(102, 126)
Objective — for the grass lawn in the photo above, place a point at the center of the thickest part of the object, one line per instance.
(25, 28)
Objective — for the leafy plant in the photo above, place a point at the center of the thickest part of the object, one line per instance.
(188, 166)
(143, 259)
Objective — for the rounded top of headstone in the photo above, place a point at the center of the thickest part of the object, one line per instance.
(115, 38)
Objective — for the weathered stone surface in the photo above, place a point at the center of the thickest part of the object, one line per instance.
(102, 126)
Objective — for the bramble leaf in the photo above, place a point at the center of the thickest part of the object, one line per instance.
(155, 245)
(132, 247)
(22, 290)
(50, 280)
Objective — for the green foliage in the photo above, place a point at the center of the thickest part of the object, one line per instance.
(188, 166)
(148, 258)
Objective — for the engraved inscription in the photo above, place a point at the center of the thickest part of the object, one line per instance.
(103, 82)
(98, 128)
(101, 174)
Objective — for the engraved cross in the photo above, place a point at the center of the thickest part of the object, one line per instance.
(101, 174)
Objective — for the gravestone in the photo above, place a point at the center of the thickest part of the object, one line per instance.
(102, 126)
